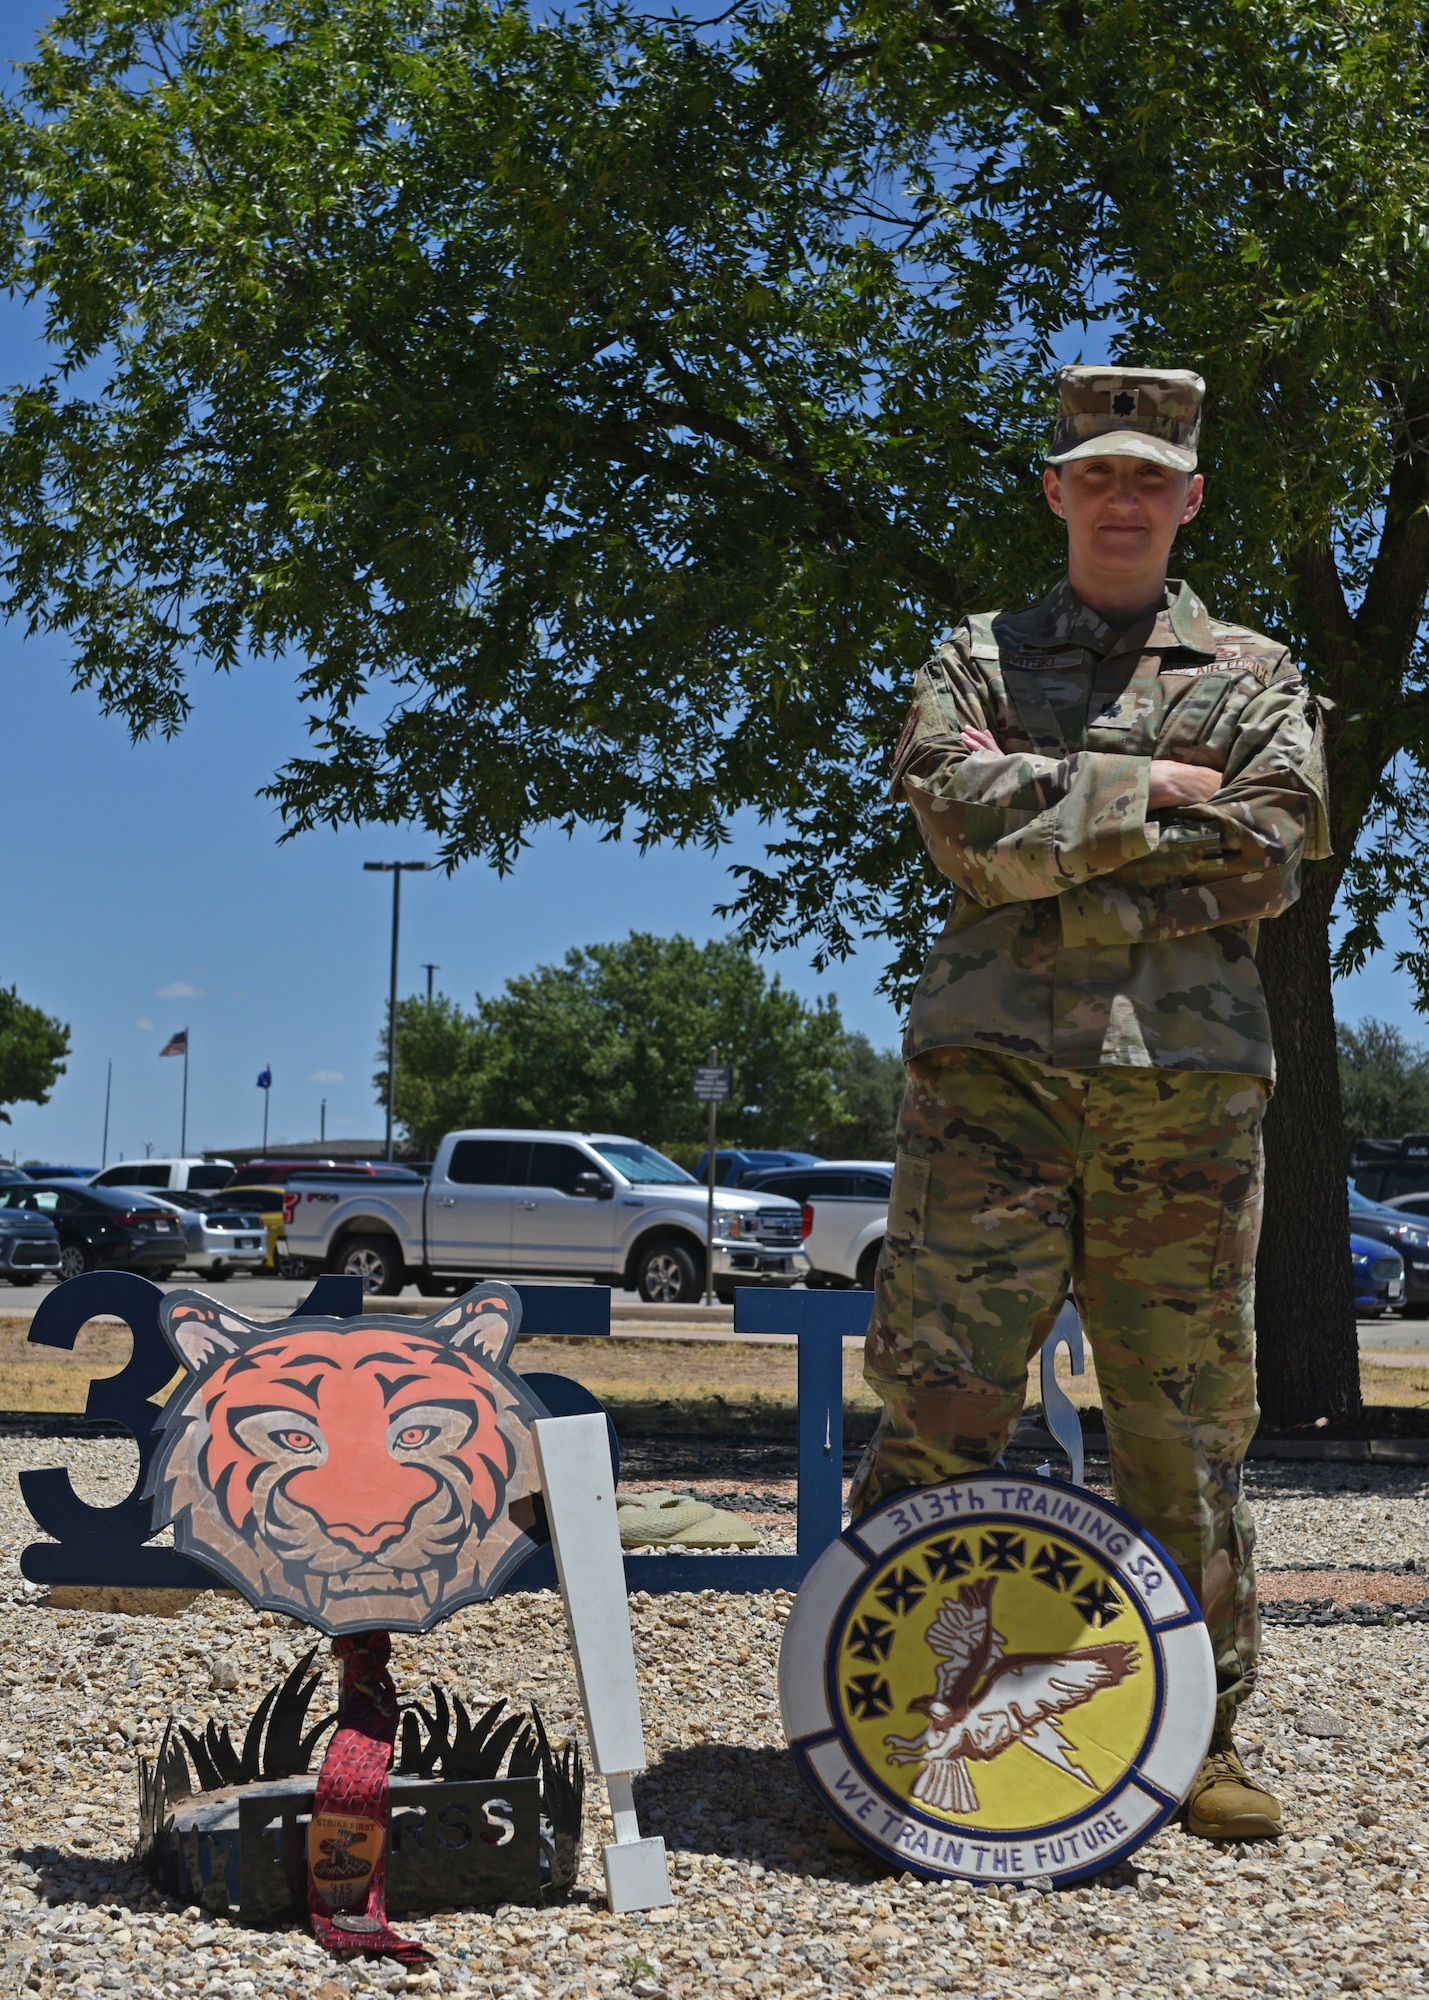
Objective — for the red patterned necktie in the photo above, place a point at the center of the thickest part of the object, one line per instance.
(347, 1841)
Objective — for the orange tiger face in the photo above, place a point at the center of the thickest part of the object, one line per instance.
(348, 1472)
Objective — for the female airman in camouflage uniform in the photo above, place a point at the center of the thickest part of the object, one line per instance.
(1121, 787)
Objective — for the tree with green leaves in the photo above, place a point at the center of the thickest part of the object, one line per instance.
(868, 1088)
(1384, 1082)
(439, 1057)
(33, 1046)
(608, 1041)
(605, 412)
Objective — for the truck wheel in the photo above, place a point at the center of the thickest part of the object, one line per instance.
(665, 1275)
(218, 1272)
(374, 1259)
(868, 1267)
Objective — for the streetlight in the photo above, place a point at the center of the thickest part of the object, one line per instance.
(396, 869)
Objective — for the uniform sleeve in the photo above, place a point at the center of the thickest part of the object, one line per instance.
(1012, 828)
(1237, 857)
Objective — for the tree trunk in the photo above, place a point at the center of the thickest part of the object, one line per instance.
(1307, 1346)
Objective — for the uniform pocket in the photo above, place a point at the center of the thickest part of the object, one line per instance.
(908, 1200)
(1237, 1242)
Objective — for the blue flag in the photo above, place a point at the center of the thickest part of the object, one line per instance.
(265, 1079)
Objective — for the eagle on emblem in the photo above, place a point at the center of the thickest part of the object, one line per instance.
(985, 1700)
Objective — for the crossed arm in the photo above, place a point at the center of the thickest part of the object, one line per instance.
(1169, 784)
(1134, 849)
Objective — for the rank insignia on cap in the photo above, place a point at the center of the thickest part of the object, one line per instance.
(1150, 413)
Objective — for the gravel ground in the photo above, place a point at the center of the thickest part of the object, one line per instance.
(761, 1906)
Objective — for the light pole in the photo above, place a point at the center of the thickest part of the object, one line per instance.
(396, 869)
(429, 970)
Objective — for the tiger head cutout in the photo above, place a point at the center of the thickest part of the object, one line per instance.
(375, 1472)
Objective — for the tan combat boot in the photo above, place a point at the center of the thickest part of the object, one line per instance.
(1225, 1803)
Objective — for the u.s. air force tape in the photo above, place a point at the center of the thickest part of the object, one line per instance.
(998, 1679)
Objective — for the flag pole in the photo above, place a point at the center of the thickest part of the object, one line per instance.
(268, 1072)
(108, 1086)
(184, 1119)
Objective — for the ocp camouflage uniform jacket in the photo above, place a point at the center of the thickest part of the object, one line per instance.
(1084, 931)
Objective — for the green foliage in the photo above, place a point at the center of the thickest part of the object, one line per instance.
(438, 1070)
(870, 1089)
(33, 1046)
(608, 1041)
(1384, 1082)
(604, 413)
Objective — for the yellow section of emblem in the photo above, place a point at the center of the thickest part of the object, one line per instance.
(996, 1677)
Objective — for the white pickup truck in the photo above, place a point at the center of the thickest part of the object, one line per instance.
(574, 1204)
(845, 1217)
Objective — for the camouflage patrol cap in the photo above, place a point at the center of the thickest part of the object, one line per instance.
(1150, 413)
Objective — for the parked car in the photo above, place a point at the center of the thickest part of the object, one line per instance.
(734, 1168)
(277, 1173)
(59, 1173)
(1407, 1234)
(1383, 1169)
(29, 1243)
(221, 1236)
(274, 1205)
(1379, 1275)
(845, 1204)
(578, 1204)
(103, 1228)
(160, 1176)
(8, 1173)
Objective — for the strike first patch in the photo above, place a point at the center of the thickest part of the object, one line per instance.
(998, 1679)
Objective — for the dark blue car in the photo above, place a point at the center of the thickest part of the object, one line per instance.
(733, 1167)
(1379, 1276)
(1401, 1231)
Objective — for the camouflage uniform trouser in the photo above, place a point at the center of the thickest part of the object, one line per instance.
(1142, 1189)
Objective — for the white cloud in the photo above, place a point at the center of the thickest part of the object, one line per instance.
(178, 989)
(144, 1027)
(327, 1076)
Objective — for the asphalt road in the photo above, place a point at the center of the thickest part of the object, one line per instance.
(275, 1296)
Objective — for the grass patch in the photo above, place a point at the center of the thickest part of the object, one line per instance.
(651, 1387)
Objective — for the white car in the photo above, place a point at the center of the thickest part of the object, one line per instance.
(845, 1206)
(160, 1176)
(220, 1235)
(572, 1204)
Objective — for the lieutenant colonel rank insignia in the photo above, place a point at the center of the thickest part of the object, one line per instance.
(998, 1679)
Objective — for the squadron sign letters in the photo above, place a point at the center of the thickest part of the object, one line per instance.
(998, 1678)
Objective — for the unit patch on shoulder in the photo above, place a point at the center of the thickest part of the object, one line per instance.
(998, 1679)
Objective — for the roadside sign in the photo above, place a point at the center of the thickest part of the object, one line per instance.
(714, 1083)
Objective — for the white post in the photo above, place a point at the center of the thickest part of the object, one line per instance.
(578, 1481)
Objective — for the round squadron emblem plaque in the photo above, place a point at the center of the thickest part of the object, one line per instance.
(998, 1679)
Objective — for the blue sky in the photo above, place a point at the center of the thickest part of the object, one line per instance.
(146, 891)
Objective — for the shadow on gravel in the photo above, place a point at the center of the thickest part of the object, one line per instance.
(62, 1876)
(743, 1803)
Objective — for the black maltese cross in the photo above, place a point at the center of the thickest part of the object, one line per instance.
(948, 1559)
(868, 1695)
(1058, 1568)
(1098, 1603)
(870, 1639)
(901, 1591)
(1003, 1550)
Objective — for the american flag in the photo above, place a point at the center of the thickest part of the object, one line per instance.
(176, 1045)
